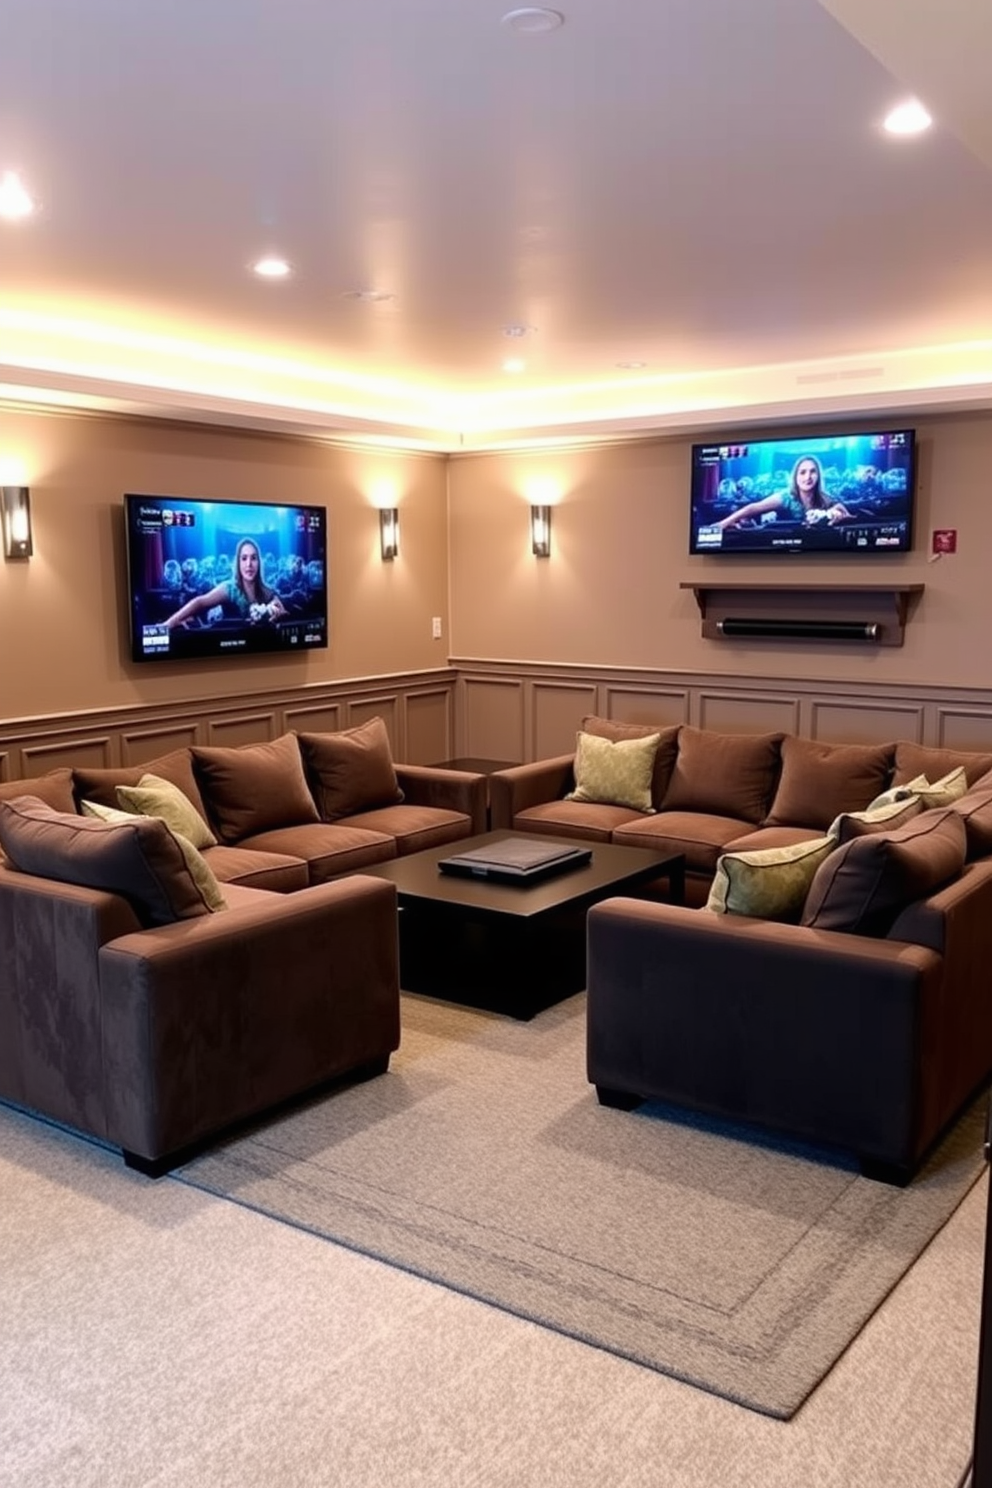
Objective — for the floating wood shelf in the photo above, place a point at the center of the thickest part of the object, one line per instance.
(865, 614)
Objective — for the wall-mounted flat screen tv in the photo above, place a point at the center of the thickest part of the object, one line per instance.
(827, 493)
(224, 578)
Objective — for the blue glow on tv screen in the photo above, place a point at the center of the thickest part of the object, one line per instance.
(826, 493)
(224, 578)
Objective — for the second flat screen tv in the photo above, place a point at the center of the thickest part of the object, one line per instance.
(224, 578)
(827, 493)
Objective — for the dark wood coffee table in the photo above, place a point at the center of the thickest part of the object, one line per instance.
(515, 949)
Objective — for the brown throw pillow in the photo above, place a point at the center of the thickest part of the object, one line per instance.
(664, 760)
(917, 759)
(254, 788)
(101, 785)
(885, 818)
(975, 810)
(723, 774)
(138, 858)
(350, 770)
(861, 887)
(819, 781)
(55, 789)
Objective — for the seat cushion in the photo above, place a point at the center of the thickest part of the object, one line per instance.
(137, 857)
(350, 770)
(414, 828)
(254, 788)
(278, 873)
(594, 822)
(767, 837)
(724, 775)
(328, 848)
(819, 781)
(862, 886)
(699, 835)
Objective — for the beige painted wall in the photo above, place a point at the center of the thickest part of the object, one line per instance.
(609, 595)
(63, 617)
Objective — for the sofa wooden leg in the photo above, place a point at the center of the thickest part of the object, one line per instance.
(151, 1167)
(618, 1100)
(883, 1172)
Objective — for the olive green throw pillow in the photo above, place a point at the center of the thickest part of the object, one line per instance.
(768, 883)
(950, 787)
(153, 796)
(197, 866)
(614, 772)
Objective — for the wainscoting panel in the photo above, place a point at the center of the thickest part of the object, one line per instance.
(248, 728)
(95, 753)
(958, 728)
(636, 705)
(429, 731)
(870, 722)
(556, 705)
(320, 718)
(732, 714)
(361, 709)
(141, 744)
(489, 715)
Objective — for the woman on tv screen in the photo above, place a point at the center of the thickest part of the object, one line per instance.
(803, 500)
(245, 593)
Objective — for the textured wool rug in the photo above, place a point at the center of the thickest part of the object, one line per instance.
(482, 1161)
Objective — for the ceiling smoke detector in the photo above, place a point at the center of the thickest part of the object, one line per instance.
(532, 19)
(369, 296)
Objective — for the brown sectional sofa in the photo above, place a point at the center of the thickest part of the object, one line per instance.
(133, 1012)
(863, 1020)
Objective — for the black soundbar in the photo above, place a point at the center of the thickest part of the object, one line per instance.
(813, 630)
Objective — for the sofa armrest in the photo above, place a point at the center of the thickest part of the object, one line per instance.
(451, 790)
(524, 786)
(817, 1033)
(208, 1021)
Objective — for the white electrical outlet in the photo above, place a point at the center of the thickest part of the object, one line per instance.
(436, 628)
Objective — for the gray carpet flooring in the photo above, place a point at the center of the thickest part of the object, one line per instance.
(482, 1161)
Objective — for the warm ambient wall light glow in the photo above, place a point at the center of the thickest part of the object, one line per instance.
(17, 522)
(540, 531)
(15, 200)
(389, 532)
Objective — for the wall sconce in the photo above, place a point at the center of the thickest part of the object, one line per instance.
(16, 522)
(540, 531)
(389, 532)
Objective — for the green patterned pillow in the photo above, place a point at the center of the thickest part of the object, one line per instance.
(950, 787)
(768, 883)
(614, 772)
(153, 796)
(199, 869)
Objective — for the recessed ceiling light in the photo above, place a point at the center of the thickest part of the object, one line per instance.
(632, 366)
(908, 118)
(514, 364)
(368, 296)
(533, 18)
(271, 267)
(15, 201)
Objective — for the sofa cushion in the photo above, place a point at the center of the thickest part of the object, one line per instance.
(137, 857)
(350, 770)
(664, 759)
(55, 789)
(278, 873)
(975, 810)
(614, 772)
(101, 785)
(862, 886)
(917, 759)
(769, 883)
(593, 821)
(819, 781)
(254, 788)
(698, 835)
(414, 828)
(725, 775)
(329, 849)
(153, 796)
(882, 818)
(201, 871)
(942, 792)
(762, 837)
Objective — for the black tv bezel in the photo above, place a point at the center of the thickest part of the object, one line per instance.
(258, 648)
(829, 552)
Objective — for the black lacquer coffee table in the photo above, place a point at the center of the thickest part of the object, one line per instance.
(512, 948)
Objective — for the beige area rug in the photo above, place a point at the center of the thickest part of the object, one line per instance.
(483, 1161)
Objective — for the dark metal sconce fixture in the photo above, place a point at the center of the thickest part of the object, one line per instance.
(540, 531)
(389, 532)
(16, 522)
